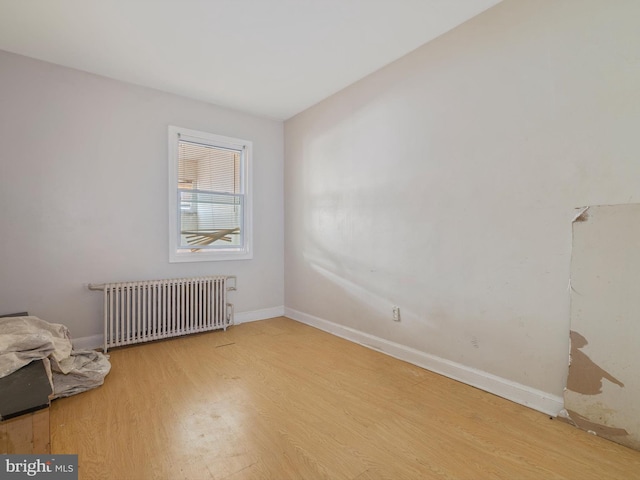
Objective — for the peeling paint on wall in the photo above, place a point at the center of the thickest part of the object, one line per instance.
(583, 215)
(584, 423)
(585, 376)
(603, 388)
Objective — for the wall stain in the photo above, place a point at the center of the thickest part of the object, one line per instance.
(585, 376)
(584, 423)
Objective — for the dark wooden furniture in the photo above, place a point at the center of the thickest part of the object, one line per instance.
(24, 410)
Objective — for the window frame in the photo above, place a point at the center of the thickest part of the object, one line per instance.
(243, 252)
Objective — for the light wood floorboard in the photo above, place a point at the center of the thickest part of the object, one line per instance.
(280, 400)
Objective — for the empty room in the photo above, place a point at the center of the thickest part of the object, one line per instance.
(320, 239)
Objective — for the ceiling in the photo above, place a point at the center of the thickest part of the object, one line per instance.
(273, 58)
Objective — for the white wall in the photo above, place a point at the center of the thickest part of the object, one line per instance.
(83, 192)
(446, 183)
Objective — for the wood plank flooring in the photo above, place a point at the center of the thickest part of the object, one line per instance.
(279, 400)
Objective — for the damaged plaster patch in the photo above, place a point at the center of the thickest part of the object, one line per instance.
(585, 376)
(584, 423)
(604, 274)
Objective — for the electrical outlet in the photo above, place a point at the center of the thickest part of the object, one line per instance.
(395, 313)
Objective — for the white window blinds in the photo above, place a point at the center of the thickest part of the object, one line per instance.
(210, 214)
(208, 167)
(211, 196)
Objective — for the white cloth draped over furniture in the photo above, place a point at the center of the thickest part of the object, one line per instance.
(27, 338)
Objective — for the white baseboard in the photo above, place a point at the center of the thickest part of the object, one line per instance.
(88, 343)
(97, 341)
(255, 315)
(530, 397)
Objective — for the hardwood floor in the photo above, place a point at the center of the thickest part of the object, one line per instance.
(280, 400)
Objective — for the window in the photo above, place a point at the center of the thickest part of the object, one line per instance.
(209, 197)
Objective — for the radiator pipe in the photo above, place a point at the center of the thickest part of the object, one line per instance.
(100, 286)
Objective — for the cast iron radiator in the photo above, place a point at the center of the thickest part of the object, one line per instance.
(136, 312)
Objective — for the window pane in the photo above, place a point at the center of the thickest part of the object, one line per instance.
(210, 220)
(209, 168)
(210, 197)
